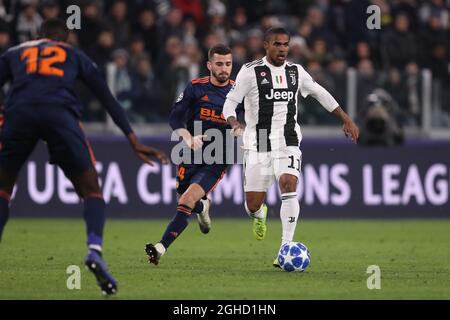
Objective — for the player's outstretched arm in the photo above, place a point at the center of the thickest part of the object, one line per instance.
(93, 79)
(144, 152)
(349, 127)
(310, 87)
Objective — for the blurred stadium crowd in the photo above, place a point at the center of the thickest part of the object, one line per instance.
(150, 49)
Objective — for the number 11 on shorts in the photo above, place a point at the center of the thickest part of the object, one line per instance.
(293, 162)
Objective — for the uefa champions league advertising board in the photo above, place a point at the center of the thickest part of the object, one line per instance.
(338, 180)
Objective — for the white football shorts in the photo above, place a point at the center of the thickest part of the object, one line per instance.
(261, 168)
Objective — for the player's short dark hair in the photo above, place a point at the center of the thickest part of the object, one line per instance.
(273, 31)
(54, 29)
(219, 49)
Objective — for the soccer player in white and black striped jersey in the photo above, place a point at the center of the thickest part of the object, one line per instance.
(269, 88)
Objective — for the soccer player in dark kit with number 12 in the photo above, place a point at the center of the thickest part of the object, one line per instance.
(41, 104)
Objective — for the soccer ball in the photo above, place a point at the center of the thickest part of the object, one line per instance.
(294, 256)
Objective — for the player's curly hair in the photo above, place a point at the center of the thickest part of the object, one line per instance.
(54, 29)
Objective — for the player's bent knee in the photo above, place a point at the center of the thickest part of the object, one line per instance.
(253, 205)
(6, 195)
(86, 185)
(89, 191)
(288, 183)
(188, 200)
(7, 182)
(254, 200)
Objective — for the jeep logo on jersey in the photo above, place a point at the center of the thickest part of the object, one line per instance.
(280, 95)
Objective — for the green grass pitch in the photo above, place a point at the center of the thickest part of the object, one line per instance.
(414, 257)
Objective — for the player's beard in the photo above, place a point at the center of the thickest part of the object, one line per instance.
(222, 77)
(278, 59)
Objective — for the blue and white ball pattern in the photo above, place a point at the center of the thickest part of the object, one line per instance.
(294, 256)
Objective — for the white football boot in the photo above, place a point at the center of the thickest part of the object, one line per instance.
(204, 221)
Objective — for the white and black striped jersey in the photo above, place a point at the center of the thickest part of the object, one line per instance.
(270, 97)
